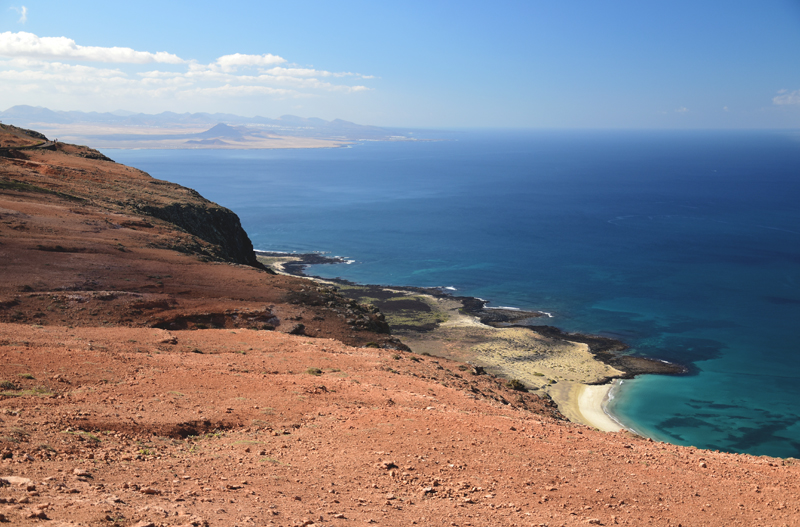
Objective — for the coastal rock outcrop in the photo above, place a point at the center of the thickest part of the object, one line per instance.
(211, 223)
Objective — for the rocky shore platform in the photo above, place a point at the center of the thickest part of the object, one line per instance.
(410, 311)
(154, 373)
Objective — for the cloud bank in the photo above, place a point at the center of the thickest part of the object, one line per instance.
(24, 44)
(38, 69)
(787, 97)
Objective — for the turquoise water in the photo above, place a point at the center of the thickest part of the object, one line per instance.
(686, 245)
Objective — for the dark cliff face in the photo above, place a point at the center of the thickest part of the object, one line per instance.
(213, 224)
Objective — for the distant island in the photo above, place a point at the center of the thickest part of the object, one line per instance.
(169, 130)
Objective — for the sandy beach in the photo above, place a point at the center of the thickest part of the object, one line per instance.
(582, 403)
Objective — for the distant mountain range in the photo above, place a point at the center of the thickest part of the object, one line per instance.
(123, 129)
(24, 115)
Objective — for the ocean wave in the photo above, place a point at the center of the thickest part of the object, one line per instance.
(507, 308)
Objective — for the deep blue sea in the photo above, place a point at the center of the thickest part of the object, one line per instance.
(686, 245)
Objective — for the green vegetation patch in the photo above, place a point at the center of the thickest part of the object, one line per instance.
(516, 384)
(402, 311)
(39, 391)
(411, 313)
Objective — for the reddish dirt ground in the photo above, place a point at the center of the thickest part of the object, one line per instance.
(146, 381)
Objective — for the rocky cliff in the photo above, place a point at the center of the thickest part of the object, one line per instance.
(211, 223)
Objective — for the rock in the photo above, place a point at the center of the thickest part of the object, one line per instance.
(149, 490)
(36, 514)
(82, 473)
(145, 523)
(297, 329)
(15, 480)
(212, 223)
(195, 521)
(169, 340)
(386, 465)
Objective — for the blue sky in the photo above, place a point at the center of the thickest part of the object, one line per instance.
(531, 64)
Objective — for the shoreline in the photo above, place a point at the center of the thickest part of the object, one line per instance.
(576, 371)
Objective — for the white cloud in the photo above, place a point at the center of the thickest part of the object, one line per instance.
(310, 72)
(233, 62)
(787, 97)
(236, 91)
(301, 72)
(38, 70)
(24, 44)
(682, 109)
(23, 13)
(25, 64)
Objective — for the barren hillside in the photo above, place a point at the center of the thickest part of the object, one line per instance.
(153, 373)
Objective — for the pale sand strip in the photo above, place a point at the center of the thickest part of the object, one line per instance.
(581, 403)
(590, 404)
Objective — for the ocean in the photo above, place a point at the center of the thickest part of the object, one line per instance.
(685, 245)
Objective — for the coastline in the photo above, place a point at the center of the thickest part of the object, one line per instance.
(574, 370)
(154, 369)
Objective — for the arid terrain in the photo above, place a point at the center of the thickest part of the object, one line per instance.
(154, 373)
